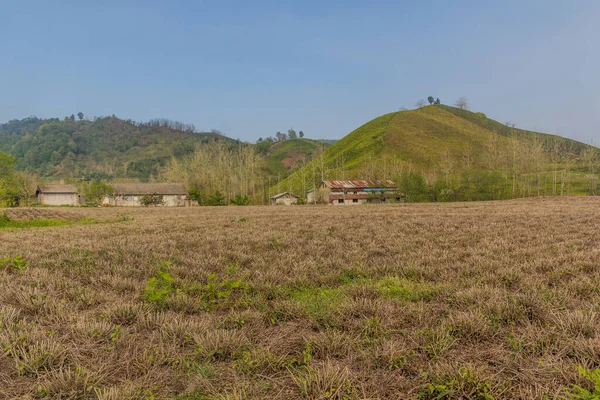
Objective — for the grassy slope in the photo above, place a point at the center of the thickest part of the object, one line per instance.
(284, 156)
(421, 137)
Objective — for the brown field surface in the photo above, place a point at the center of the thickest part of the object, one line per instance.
(495, 300)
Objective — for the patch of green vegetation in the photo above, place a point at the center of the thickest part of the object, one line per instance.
(403, 289)
(350, 275)
(319, 302)
(16, 264)
(216, 289)
(256, 361)
(161, 286)
(592, 389)
(466, 384)
(193, 367)
(8, 223)
(373, 329)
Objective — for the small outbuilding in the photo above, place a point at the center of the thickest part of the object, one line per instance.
(133, 194)
(285, 199)
(58, 195)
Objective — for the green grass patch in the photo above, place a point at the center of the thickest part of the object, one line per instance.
(319, 303)
(403, 289)
(16, 264)
(8, 223)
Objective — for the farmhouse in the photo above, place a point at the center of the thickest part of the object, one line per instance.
(285, 198)
(132, 194)
(355, 192)
(58, 195)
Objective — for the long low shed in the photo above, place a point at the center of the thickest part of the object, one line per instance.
(131, 194)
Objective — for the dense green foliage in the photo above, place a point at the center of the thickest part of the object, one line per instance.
(104, 148)
(95, 191)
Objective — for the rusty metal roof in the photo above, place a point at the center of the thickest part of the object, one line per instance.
(356, 184)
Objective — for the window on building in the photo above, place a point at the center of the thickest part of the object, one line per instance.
(355, 200)
(340, 201)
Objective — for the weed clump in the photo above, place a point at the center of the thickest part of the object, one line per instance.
(466, 383)
(17, 265)
(161, 286)
(592, 391)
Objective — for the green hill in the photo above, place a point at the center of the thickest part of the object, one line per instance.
(285, 156)
(438, 142)
(104, 148)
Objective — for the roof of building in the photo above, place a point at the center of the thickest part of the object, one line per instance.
(278, 195)
(356, 184)
(149, 188)
(57, 188)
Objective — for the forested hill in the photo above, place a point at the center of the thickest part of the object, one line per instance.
(105, 148)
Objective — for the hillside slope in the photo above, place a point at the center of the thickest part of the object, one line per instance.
(284, 157)
(428, 140)
(104, 148)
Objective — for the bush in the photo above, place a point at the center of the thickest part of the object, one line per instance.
(159, 288)
(414, 187)
(240, 200)
(151, 200)
(95, 193)
(217, 199)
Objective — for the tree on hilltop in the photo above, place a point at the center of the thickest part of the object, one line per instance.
(462, 103)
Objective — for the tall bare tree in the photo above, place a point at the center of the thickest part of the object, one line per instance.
(462, 103)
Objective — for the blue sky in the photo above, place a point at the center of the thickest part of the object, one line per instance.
(251, 69)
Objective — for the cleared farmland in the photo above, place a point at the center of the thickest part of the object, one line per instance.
(495, 300)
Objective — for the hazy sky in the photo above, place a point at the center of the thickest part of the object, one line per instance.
(251, 68)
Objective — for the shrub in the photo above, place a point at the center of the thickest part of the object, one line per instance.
(217, 199)
(151, 200)
(464, 384)
(240, 200)
(159, 288)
